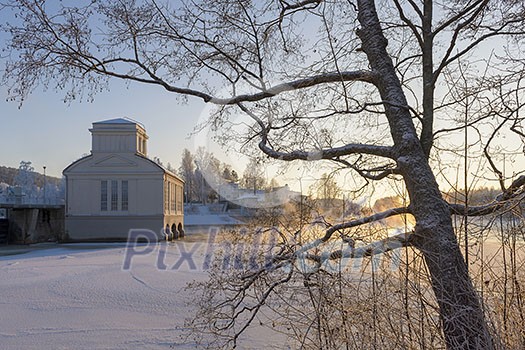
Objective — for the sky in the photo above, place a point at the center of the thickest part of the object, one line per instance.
(51, 133)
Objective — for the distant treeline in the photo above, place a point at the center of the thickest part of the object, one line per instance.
(8, 175)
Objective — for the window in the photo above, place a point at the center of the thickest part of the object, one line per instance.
(176, 199)
(172, 197)
(166, 199)
(103, 195)
(179, 199)
(169, 197)
(114, 195)
(124, 194)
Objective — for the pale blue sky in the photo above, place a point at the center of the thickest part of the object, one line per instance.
(47, 131)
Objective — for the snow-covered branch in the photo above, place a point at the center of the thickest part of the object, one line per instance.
(374, 248)
(368, 249)
(154, 79)
(513, 191)
(329, 153)
(365, 220)
(332, 77)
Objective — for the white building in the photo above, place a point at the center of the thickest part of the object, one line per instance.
(117, 187)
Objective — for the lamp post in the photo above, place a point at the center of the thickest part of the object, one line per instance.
(44, 184)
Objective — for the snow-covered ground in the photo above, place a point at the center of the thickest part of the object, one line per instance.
(80, 297)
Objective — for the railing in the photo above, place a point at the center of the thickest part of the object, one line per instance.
(15, 200)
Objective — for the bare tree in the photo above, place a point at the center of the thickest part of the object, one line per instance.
(187, 171)
(25, 176)
(229, 174)
(326, 187)
(253, 177)
(360, 91)
(207, 174)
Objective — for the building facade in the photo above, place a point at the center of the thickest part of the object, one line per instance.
(117, 188)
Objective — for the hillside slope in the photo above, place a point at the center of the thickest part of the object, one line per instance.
(8, 175)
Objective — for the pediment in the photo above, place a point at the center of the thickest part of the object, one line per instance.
(114, 161)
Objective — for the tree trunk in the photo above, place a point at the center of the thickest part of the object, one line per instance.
(461, 314)
(427, 127)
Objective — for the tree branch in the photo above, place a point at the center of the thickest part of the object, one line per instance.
(409, 23)
(374, 248)
(376, 174)
(330, 153)
(335, 77)
(513, 191)
(459, 15)
(353, 223)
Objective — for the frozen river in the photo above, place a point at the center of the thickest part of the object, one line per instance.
(79, 297)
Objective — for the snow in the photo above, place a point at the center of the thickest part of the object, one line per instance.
(116, 121)
(210, 220)
(79, 296)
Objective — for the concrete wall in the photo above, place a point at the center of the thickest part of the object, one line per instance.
(110, 228)
(31, 225)
(145, 195)
(175, 223)
(118, 156)
(122, 136)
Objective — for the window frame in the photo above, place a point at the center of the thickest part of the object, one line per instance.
(114, 195)
(124, 195)
(104, 195)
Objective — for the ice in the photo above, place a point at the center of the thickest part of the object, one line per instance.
(79, 297)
